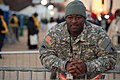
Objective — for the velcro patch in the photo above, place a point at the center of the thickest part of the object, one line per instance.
(49, 40)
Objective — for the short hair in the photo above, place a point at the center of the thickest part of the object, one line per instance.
(35, 14)
(14, 14)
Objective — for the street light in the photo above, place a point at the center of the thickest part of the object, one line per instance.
(50, 7)
(44, 2)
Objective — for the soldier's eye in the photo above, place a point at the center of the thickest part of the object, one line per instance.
(70, 17)
(78, 17)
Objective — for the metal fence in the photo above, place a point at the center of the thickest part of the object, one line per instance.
(22, 65)
(26, 65)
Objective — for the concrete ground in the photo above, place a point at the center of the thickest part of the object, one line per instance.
(22, 44)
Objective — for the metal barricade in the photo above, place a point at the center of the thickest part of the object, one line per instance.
(22, 65)
(26, 65)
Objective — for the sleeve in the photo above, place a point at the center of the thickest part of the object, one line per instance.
(106, 55)
(48, 54)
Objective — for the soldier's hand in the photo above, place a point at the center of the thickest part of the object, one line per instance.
(81, 67)
(76, 67)
(71, 66)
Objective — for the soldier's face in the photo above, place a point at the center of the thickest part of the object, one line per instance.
(75, 23)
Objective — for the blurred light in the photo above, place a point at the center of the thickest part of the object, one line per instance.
(98, 7)
(52, 13)
(50, 7)
(106, 16)
(99, 18)
(44, 2)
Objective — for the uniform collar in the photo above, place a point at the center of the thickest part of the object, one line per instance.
(82, 36)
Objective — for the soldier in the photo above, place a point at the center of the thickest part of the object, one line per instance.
(76, 48)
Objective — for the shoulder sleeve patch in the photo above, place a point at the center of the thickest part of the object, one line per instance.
(49, 40)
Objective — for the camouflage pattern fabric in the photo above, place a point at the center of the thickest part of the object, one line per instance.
(93, 46)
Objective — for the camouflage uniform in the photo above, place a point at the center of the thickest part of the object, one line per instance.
(93, 46)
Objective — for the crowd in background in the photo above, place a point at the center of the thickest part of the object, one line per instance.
(14, 25)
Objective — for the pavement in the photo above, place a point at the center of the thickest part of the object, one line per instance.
(21, 45)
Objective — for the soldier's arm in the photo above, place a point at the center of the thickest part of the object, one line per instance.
(48, 54)
(106, 55)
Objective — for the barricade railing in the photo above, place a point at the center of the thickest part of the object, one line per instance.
(18, 70)
(21, 62)
(29, 70)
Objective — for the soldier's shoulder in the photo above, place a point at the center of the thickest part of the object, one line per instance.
(93, 26)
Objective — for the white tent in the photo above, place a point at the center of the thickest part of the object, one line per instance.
(27, 11)
(42, 11)
(30, 10)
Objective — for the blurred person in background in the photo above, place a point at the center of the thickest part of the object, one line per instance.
(92, 17)
(43, 24)
(114, 29)
(109, 20)
(51, 23)
(60, 19)
(33, 27)
(3, 29)
(14, 25)
(36, 22)
(76, 47)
